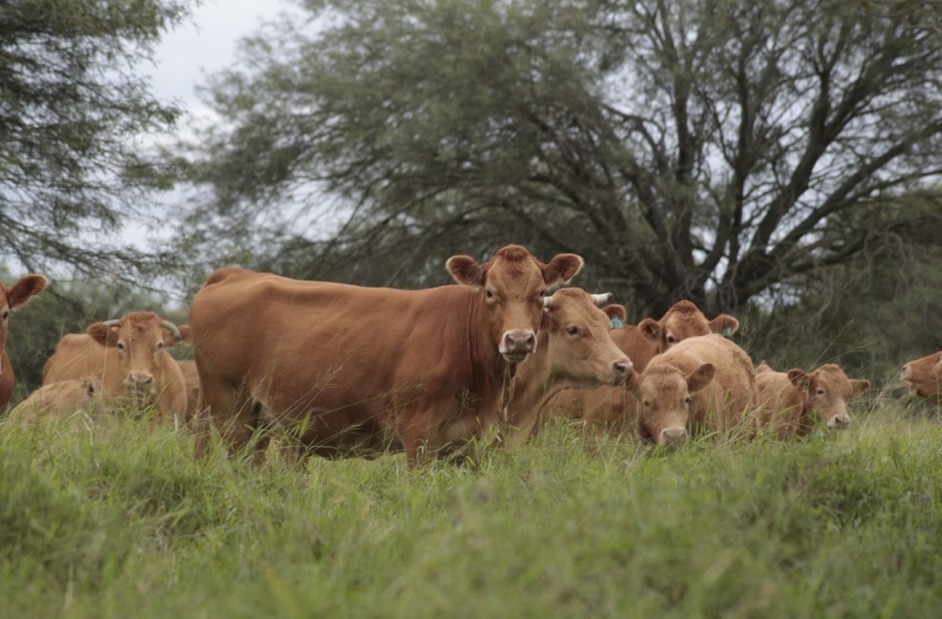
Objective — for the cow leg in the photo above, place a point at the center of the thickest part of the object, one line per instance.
(232, 410)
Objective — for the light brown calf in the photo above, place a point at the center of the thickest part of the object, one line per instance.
(924, 376)
(702, 383)
(60, 399)
(130, 357)
(573, 349)
(792, 404)
(12, 298)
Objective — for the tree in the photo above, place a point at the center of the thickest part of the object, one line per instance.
(701, 149)
(73, 119)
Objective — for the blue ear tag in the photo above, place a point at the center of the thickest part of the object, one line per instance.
(616, 323)
(726, 332)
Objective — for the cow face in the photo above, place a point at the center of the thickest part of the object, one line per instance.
(140, 338)
(924, 376)
(826, 392)
(684, 320)
(511, 287)
(14, 297)
(580, 347)
(666, 396)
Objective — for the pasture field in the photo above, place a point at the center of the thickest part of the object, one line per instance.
(113, 518)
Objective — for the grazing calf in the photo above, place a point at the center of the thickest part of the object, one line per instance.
(60, 399)
(702, 383)
(615, 406)
(12, 298)
(791, 404)
(924, 376)
(357, 371)
(573, 349)
(130, 357)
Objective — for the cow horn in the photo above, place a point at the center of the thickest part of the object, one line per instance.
(114, 322)
(604, 297)
(172, 328)
(547, 302)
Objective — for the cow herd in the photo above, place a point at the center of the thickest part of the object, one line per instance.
(339, 370)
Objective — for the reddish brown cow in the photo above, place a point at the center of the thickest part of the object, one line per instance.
(792, 404)
(355, 371)
(12, 298)
(574, 350)
(705, 382)
(130, 356)
(616, 407)
(924, 376)
(57, 400)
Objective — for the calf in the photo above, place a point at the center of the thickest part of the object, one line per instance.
(57, 400)
(130, 357)
(791, 404)
(573, 349)
(702, 383)
(12, 298)
(924, 376)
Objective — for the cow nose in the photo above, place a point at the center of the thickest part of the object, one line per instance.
(670, 436)
(622, 370)
(839, 421)
(140, 379)
(518, 342)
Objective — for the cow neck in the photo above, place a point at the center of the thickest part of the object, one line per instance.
(534, 385)
(490, 373)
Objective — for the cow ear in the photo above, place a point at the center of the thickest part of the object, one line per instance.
(859, 386)
(650, 329)
(616, 311)
(701, 377)
(184, 334)
(465, 270)
(25, 289)
(724, 324)
(799, 378)
(561, 269)
(763, 367)
(104, 333)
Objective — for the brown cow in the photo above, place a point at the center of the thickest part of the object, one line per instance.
(355, 371)
(57, 400)
(130, 356)
(705, 382)
(924, 376)
(12, 298)
(616, 407)
(791, 404)
(574, 349)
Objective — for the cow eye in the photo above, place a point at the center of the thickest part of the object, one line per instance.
(6, 314)
(488, 294)
(671, 339)
(573, 330)
(160, 345)
(120, 345)
(647, 403)
(820, 391)
(687, 400)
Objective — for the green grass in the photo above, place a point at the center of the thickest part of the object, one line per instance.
(115, 519)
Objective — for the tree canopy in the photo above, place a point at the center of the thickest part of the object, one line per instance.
(74, 116)
(701, 149)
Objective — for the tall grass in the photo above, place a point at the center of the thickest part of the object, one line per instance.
(113, 518)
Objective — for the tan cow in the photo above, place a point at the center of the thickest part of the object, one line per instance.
(614, 406)
(57, 400)
(701, 383)
(792, 404)
(130, 357)
(574, 349)
(192, 380)
(12, 298)
(924, 376)
(356, 371)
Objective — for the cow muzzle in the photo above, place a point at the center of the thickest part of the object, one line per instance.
(517, 344)
(672, 436)
(621, 371)
(139, 382)
(839, 422)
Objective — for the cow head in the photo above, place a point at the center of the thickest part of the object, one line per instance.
(580, 347)
(14, 297)
(140, 338)
(825, 393)
(511, 286)
(924, 376)
(666, 395)
(684, 320)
